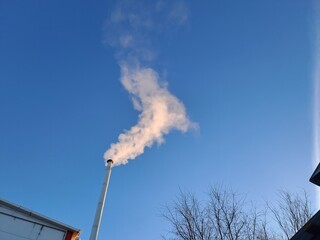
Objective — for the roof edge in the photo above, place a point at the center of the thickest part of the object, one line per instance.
(37, 215)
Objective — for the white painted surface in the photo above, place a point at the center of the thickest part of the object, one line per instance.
(13, 226)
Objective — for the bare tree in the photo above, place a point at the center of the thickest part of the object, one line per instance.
(291, 213)
(222, 218)
(188, 219)
(228, 216)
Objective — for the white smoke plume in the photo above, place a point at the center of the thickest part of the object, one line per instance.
(160, 112)
(129, 30)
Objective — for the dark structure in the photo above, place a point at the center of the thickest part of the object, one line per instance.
(315, 178)
(311, 230)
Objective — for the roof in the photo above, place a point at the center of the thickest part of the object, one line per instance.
(311, 230)
(315, 178)
(38, 216)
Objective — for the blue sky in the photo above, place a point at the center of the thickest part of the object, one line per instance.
(243, 69)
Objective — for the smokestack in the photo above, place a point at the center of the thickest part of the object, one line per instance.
(99, 211)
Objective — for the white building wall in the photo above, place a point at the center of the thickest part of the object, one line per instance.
(13, 226)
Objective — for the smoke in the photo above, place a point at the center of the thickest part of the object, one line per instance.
(130, 30)
(160, 112)
(316, 95)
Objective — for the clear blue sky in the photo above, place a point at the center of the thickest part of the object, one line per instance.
(242, 68)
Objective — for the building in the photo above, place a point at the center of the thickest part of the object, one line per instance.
(311, 230)
(19, 223)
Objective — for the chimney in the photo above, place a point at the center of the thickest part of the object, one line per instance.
(100, 206)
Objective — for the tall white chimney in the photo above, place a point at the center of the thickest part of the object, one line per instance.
(99, 211)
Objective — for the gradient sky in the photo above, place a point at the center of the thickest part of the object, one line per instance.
(243, 69)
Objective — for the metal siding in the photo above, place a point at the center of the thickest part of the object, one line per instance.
(51, 234)
(12, 228)
(17, 210)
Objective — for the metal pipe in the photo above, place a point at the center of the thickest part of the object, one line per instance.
(99, 211)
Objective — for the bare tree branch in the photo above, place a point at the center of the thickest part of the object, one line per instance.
(225, 216)
(291, 212)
